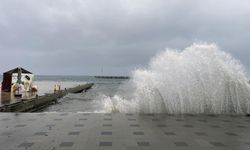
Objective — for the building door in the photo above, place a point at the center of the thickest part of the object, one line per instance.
(6, 84)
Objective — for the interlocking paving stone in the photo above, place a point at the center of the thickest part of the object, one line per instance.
(170, 133)
(201, 133)
(20, 125)
(138, 133)
(105, 144)
(143, 144)
(226, 120)
(107, 114)
(231, 134)
(240, 126)
(129, 114)
(5, 119)
(66, 144)
(217, 144)
(79, 125)
(212, 116)
(202, 120)
(155, 119)
(31, 119)
(107, 125)
(5, 134)
(179, 120)
(188, 126)
(41, 133)
(181, 144)
(191, 115)
(161, 125)
(106, 133)
(74, 133)
(64, 114)
(134, 125)
(41, 114)
(26, 144)
(215, 126)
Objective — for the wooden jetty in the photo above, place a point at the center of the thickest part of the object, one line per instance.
(39, 102)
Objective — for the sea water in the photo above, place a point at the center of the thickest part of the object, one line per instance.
(91, 101)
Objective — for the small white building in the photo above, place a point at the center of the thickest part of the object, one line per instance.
(17, 79)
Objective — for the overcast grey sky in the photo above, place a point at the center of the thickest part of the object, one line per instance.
(79, 37)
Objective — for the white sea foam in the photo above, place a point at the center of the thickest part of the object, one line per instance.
(201, 79)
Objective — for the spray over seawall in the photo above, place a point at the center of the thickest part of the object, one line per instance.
(201, 79)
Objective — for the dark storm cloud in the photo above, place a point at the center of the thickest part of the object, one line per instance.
(83, 36)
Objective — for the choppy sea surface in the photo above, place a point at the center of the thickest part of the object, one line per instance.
(91, 101)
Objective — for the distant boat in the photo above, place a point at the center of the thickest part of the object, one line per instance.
(113, 77)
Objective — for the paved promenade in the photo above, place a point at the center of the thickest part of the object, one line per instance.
(92, 131)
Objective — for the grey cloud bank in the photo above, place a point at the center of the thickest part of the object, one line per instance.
(79, 37)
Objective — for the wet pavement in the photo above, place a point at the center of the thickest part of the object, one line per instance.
(90, 131)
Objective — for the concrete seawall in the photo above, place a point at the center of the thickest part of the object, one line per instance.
(39, 102)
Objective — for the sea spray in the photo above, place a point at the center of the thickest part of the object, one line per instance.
(201, 79)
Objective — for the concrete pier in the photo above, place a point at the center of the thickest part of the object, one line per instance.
(93, 131)
(39, 102)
